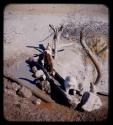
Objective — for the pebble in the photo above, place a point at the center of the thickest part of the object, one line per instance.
(15, 86)
(37, 101)
(24, 92)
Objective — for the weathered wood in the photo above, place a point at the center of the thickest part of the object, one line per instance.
(36, 91)
(55, 39)
(57, 33)
(92, 57)
(55, 43)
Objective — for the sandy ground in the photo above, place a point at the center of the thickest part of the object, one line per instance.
(25, 26)
(28, 25)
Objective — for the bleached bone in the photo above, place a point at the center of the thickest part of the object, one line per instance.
(39, 73)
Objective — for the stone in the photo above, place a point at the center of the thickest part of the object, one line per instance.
(15, 86)
(37, 101)
(8, 85)
(45, 85)
(9, 92)
(39, 74)
(90, 101)
(24, 92)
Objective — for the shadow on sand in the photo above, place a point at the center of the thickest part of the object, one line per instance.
(41, 47)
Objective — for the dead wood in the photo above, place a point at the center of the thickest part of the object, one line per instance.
(92, 57)
(52, 27)
(56, 37)
(55, 44)
(36, 91)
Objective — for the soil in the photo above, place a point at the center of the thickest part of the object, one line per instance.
(17, 108)
(23, 27)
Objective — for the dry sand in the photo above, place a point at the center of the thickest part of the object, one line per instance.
(26, 25)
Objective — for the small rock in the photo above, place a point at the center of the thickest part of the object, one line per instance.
(37, 101)
(9, 92)
(90, 101)
(24, 92)
(16, 102)
(8, 85)
(45, 86)
(15, 86)
(39, 74)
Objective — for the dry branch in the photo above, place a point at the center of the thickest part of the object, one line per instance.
(36, 91)
(92, 57)
(56, 37)
(52, 27)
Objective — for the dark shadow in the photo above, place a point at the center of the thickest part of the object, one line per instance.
(32, 63)
(41, 56)
(35, 55)
(32, 82)
(60, 80)
(29, 68)
(83, 101)
(40, 48)
(37, 48)
(39, 63)
(60, 50)
(57, 95)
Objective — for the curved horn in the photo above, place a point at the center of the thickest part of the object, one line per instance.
(92, 57)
